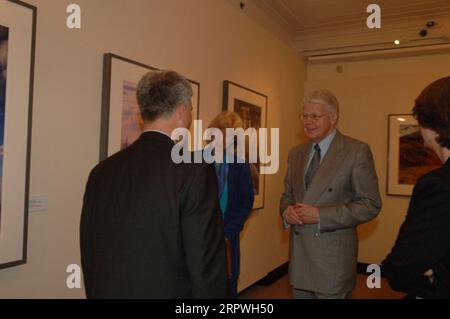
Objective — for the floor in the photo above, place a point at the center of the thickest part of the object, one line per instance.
(282, 290)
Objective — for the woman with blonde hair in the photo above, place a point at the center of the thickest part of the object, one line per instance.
(235, 192)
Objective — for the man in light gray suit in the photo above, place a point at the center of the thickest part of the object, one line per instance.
(330, 188)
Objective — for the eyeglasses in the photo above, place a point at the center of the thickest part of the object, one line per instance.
(313, 117)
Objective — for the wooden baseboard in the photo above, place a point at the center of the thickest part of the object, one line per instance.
(274, 275)
(282, 270)
(361, 268)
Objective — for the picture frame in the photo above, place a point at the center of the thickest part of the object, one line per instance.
(121, 123)
(252, 107)
(408, 159)
(17, 51)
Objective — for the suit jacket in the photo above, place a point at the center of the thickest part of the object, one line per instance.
(345, 189)
(423, 241)
(151, 228)
(240, 203)
(240, 198)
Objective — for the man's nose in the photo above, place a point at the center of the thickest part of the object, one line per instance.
(308, 121)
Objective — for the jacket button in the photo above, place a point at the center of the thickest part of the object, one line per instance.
(316, 234)
(330, 190)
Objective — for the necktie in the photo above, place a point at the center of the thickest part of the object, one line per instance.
(313, 166)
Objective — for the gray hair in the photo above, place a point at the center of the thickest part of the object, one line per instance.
(160, 92)
(325, 98)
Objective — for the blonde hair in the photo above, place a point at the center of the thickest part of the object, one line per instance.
(227, 120)
(324, 97)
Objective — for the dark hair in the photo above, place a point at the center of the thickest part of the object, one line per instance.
(160, 92)
(432, 110)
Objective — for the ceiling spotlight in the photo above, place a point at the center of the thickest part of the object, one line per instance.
(401, 119)
(397, 42)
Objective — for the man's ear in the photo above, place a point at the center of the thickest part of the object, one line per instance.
(179, 111)
(334, 118)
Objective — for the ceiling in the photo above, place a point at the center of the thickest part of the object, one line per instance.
(318, 25)
(301, 15)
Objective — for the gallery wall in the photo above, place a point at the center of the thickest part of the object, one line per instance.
(208, 41)
(368, 91)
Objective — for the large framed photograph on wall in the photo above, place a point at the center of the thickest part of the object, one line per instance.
(122, 123)
(17, 42)
(252, 107)
(408, 159)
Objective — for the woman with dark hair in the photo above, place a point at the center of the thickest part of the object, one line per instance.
(419, 263)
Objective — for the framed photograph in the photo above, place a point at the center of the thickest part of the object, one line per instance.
(17, 42)
(121, 120)
(252, 107)
(408, 159)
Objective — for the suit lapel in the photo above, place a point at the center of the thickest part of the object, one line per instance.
(327, 170)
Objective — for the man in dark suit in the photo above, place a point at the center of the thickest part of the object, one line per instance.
(151, 228)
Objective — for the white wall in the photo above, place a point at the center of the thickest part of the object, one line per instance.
(208, 41)
(368, 91)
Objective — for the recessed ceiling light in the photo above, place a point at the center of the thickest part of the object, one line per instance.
(401, 119)
(396, 42)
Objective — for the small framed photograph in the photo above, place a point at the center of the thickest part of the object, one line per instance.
(122, 123)
(252, 107)
(408, 159)
(17, 43)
